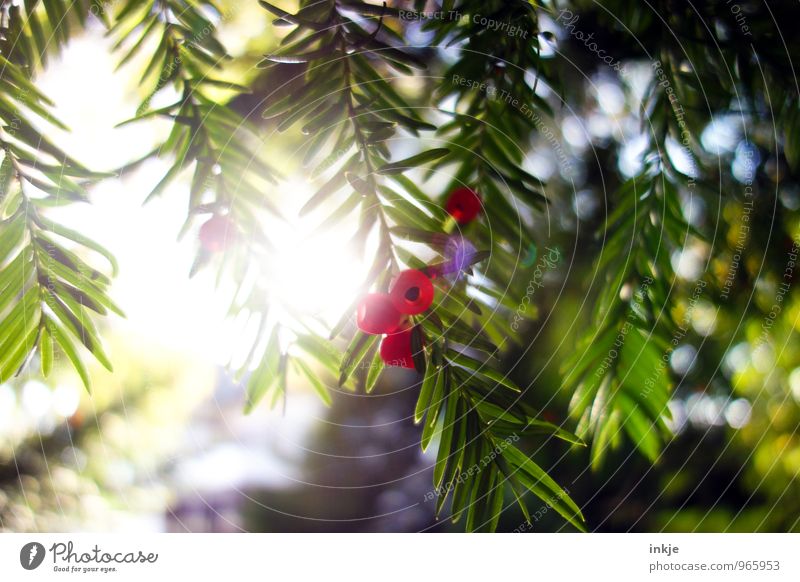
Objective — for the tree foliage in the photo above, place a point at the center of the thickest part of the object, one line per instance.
(48, 289)
(488, 97)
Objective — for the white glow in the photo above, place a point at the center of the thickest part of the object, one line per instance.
(631, 156)
(679, 419)
(36, 399)
(688, 263)
(704, 318)
(683, 359)
(313, 271)
(737, 358)
(794, 383)
(721, 135)
(610, 98)
(65, 400)
(314, 274)
(680, 157)
(763, 357)
(540, 163)
(599, 126)
(694, 208)
(585, 204)
(311, 275)
(8, 405)
(703, 410)
(575, 132)
(164, 308)
(738, 413)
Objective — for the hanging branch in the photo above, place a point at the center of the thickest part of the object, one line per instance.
(490, 95)
(229, 182)
(348, 103)
(207, 135)
(619, 375)
(48, 285)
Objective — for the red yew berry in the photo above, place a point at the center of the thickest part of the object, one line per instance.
(463, 205)
(396, 350)
(376, 314)
(217, 234)
(412, 292)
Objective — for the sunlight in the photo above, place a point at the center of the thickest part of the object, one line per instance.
(314, 272)
(312, 275)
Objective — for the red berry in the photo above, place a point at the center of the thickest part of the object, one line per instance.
(396, 349)
(217, 233)
(376, 314)
(412, 292)
(463, 204)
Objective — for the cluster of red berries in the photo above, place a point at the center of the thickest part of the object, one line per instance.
(388, 314)
(411, 293)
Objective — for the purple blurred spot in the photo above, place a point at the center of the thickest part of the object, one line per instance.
(458, 253)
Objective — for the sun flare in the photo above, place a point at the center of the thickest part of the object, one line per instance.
(314, 272)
